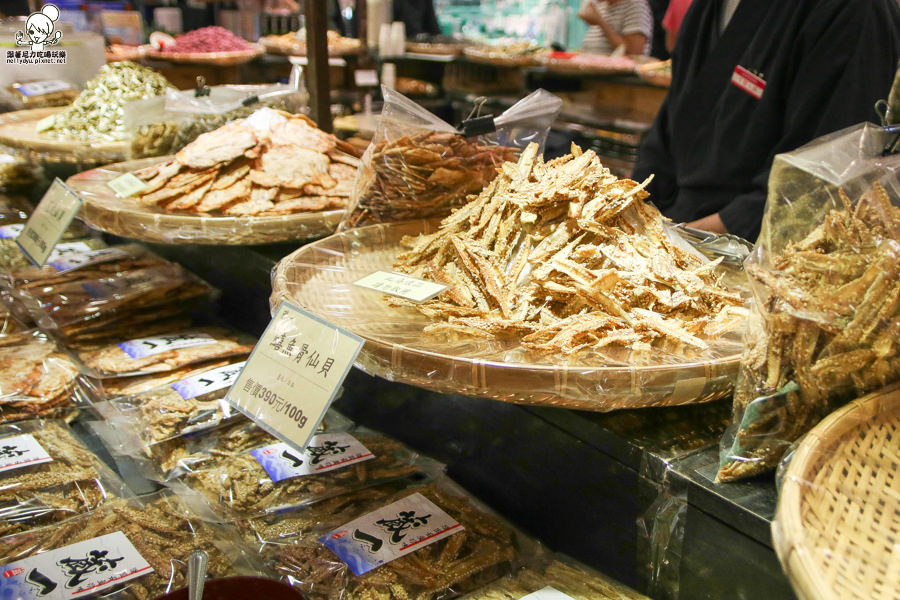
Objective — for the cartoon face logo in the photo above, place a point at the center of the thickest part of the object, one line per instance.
(39, 29)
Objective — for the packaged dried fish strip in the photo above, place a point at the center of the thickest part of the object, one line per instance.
(479, 549)
(825, 271)
(81, 263)
(563, 576)
(164, 352)
(77, 305)
(180, 408)
(46, 476)
(146, 545)
(127, 386)
(419, 167)
(273, 476)
(36, 378)
(11, 257)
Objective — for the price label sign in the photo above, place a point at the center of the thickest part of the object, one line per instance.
(48, 222)
(403, 286)
(293, 374)
(127, 185)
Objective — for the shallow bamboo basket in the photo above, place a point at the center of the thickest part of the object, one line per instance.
(837, 529)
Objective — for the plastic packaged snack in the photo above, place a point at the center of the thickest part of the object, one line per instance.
(183, 407)
(76, 239)
(124, 550)
(420, 167)
(41, 93)
(127, 386)
(95, 298)
(46, 476)
(273, 476)
(164, 352)
(453, 546)
(824, 273)
(36, 378)
(560, 578)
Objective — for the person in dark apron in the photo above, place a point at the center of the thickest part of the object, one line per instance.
(751, 79)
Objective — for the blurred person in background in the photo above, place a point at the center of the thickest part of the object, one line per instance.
(672, 20)
(418, 16)
(754, 78)
(615, 23)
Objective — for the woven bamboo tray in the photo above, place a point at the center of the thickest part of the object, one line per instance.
(19, 130)
(320, 278)
(221, 59)
(127, 217)
(837, 529)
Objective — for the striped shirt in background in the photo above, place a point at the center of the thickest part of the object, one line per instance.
(625, 16)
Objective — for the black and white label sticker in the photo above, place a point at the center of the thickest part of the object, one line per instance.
(19, 451)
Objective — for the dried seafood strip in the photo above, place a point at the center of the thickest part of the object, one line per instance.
(243, 485)
(825, 329)
(271, 163)
(128, 386)
(40, 493)
(484, 550)
(571, 259)
(36, 379)
(423, 176)
(164, 532)
(565, 576)
(166, 352)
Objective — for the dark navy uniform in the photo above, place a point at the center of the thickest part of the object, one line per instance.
(782, 73)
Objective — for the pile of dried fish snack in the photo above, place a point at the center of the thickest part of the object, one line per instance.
(422, 176)
(283, 167)
(36, 378)
(90, 301)
(113, 387)
(241, 484)
(564, 576)
(112, 360)
(484, 550)
(39, 494)
(97, 114)
(826, 331)
(571, 259)
(163, 530)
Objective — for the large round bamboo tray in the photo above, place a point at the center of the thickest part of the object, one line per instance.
(127, 217)
(837, 529)
(320, 278)
(19, 130)
(221, 59)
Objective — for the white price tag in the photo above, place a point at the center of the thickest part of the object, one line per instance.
(45, 123)
(19, 451)
(326, 452)
(547, 593)
(127, 185)
(390, 532)
(404, 286)
(79, 570)
(69, 262)
(293, 374)
(51, 218)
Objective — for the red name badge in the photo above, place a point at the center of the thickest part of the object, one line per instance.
(747, 81)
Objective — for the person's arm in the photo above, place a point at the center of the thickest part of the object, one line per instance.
(634, 42)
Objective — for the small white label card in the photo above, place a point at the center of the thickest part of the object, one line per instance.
(325, 452)
(127, 185)
(45, 123)
(294, 373)
(404, 286)
(79, 570)
(390, 532)
(19, 451)
(365, 77)
(143, 347)
(9, 232)
(547, 593)
(69, 262)
(208, 381)
(50, 219)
